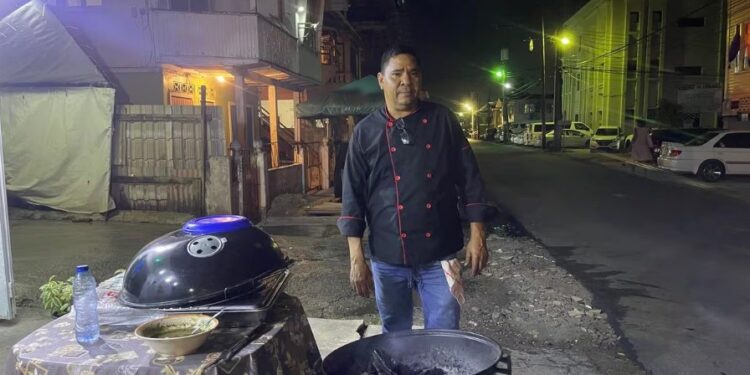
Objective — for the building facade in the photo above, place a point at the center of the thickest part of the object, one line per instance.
(256, 55)
(655, 61)
(736, 106)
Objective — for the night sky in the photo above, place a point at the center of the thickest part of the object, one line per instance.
(459, 42)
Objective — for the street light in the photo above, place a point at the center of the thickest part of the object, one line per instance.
(563, 41)
(507, 85)
(469, 107)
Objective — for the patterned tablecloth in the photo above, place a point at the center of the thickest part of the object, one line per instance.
(286, 347)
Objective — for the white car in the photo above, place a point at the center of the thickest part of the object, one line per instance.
(606, 138)
(577, 125)
(534, 133)
(570, 138)
(711, 156)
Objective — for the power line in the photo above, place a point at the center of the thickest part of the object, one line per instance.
(649, 35)
(623, 72)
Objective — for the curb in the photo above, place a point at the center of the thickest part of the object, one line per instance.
(123, 216)
(655, 173)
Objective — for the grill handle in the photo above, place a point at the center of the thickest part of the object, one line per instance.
(504, 365)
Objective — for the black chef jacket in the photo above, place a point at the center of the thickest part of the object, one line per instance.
(409, 194)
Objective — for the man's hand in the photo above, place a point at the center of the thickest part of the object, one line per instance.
(476, 250)
(360, 276)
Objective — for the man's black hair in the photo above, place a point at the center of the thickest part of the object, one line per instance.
(395, 51)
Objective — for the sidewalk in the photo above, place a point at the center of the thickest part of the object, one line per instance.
(732, 186)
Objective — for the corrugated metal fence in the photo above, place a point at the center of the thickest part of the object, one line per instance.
(158, 156)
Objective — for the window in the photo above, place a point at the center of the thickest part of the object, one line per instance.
(632, 66)
(580, 126)
(630, 94)
(190, 5)
(632, 47)
(608, 131)
(691, 22)
(327, 48)
(656, 20)
(656, 44)
(735, 140)
(689, 70)
(653, 94)
(179, 5)
(634, 21)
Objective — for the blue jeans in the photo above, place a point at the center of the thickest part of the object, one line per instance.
(393, 294)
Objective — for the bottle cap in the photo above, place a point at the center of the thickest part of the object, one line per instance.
(82, 268)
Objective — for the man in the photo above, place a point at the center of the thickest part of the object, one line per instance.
(408, 169)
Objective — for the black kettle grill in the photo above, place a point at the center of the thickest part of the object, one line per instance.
(211, 263)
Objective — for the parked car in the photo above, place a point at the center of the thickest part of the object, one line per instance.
(490, 134)
(534, 133)
(570, 138)
(675, 135)
(517, 139)
(711, 155)
(606, 138)
(577, 125)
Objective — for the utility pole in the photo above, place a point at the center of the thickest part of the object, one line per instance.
(544, 87)
(506, 125)
(556, 103)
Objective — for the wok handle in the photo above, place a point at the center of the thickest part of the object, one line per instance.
(251, 336)
(504, 365)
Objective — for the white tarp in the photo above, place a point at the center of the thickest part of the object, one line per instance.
(7, 302)
(36, 49)
(57, 146)
(57, 126)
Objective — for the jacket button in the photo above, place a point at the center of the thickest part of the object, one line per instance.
(403, 235)
(390, 124)
(429, 175)
(393, 149)
(398, 178)
(401, 207)
(428, 146)
(428, 205)
(428, 234)
(424, 120)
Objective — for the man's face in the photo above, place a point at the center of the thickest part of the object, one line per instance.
(401, 81)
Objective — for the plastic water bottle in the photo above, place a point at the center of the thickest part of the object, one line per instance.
(85, 300)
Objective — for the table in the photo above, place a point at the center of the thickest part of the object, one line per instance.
(286, 347)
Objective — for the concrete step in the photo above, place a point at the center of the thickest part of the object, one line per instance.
(331, 334)
(309, 226)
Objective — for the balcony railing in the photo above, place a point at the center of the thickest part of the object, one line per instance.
(210, 39)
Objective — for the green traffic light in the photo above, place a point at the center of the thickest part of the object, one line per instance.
(499, 74)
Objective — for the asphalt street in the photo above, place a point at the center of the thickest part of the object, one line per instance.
(667, 262)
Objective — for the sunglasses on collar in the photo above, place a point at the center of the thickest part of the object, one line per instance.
(405, 136)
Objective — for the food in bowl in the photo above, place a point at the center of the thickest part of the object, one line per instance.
(174, 335)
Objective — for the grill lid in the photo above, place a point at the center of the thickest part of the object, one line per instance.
(210, 260)
(216, 223)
